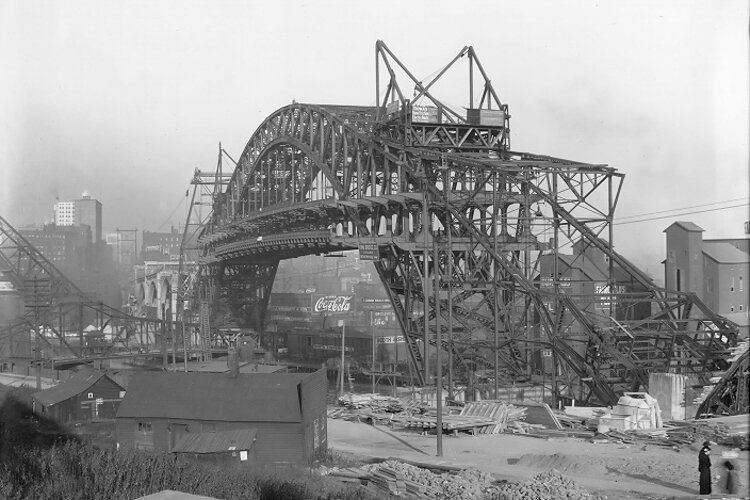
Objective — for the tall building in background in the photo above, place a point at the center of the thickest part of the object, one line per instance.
(67, 247)
(64, 213)
(84, 211)
(88, 211)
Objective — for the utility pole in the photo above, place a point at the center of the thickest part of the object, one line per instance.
(372, 366)
(439, 346)
(40, 300)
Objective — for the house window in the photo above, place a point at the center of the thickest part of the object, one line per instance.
(731, 288)
(90, 395)
(144, 427)
(731, 308)
(740, 307)
(309, 341)
(741, 287)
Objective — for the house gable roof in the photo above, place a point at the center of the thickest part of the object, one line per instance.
(687, 226)
(250, 397)
(75, 385)
(725, 253)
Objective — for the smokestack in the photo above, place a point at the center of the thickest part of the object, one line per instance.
(233, 362)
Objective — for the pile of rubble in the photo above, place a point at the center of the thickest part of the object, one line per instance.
(408, 481)
(550, 485)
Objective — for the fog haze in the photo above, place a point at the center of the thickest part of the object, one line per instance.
(126, 99)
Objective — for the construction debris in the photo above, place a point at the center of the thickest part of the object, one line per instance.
(380, 404)
(502, 414)
(408, 481)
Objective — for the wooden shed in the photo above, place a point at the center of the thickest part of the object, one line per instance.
(177, 412)
(86, 395)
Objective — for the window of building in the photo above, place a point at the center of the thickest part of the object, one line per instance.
(90, 395)
(731, 308)
(741, 287)
(731, 287)
(144, 427)
(740, 307)
(309, 341)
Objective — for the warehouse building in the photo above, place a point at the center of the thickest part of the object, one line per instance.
(277, 417)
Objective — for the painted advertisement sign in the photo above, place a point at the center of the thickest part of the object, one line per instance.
(333, 304)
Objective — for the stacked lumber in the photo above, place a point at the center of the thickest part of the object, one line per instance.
(519, 427)
(379, 404)
(452, 423)
(501, 413)
(373, 402)
(667, 436)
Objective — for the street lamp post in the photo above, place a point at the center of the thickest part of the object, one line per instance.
(342, 323)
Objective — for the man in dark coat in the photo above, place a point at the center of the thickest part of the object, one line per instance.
(704, 467)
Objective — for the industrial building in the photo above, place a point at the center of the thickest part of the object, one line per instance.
(286, 411)
(715, 270)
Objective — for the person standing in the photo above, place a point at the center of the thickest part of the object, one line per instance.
(704, 467)
(731, 482)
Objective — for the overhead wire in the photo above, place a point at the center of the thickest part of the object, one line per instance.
(169, 217)
(682, 208)
(679, 214)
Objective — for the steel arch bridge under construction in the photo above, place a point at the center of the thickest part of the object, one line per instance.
(469, 237)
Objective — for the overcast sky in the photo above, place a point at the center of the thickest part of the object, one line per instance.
(126, 99)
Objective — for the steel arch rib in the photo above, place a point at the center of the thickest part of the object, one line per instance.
(283, 127)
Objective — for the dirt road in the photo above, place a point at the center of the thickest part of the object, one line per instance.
(616, 471)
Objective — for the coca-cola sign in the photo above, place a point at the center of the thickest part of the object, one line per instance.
(333, 304)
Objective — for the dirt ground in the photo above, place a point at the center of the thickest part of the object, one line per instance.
(616, 471)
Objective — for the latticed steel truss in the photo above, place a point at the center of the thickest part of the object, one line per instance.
(57, 309)
(474, 239)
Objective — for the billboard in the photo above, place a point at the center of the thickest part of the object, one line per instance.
(373, 304)
(333, 304)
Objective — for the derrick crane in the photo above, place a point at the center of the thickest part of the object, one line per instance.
(196, 290)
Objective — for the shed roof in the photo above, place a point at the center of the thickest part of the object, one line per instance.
(250, 397)
(725, 253)
(216, 442)
(220, 366)
(75, 385)
(688, 226)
